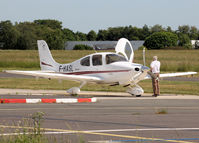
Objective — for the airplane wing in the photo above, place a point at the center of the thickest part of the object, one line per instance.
(172, 74)
(54, 75)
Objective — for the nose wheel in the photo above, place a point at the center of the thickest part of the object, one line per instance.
(75, 90)
(135, 91)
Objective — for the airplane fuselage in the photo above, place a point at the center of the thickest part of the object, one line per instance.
(98, 65)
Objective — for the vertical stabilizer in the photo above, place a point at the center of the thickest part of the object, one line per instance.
(46, 60)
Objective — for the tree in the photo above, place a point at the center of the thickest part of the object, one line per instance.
(145, 32)
(92, 36)
(80, 36)
(114, 33)
(169, 29)
(157, 28)
(31, 32)
(54, 38)
(69, 35)
(160, 40)
(173, 38)
(133, 33)
(102, 35)
(8, 35)
(82, 47)
(183, 39)
(54, 24)
(28, 36)
(193, 33)
(185, 29)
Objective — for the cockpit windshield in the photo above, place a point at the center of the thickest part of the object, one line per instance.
(111, 58)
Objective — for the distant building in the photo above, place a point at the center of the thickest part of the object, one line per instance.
(100, 45)
(195, 44)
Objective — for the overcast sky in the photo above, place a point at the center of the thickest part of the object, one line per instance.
(86, 15)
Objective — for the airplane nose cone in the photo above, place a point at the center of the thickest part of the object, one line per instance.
(145, 68)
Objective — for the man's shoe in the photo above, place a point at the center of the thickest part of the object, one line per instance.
(155, 95)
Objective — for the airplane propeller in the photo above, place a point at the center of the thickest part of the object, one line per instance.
(145, 68)
(144, 63)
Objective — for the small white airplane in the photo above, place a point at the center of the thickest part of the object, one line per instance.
(101, 68)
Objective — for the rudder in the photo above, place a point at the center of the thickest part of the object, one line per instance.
(46, 60)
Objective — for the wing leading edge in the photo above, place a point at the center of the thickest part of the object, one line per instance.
(172, 74)
(54, 75)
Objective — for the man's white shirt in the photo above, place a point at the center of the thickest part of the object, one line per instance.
(155, 65)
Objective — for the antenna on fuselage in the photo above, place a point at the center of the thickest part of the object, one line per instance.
(94, 49)
(144, 62)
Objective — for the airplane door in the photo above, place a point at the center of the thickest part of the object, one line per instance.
(97, 62)
(125, 48)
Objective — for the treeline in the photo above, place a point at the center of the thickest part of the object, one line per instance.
(24, 35)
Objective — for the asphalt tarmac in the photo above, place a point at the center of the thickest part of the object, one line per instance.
(167, 118)
(110, 119)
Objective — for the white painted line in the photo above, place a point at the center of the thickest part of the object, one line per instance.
(101, 141)
(45, 100)
(33, 100)
(114, 130)
(46, 133)
(93, 99)
(147, 129)
(66, 100)
(11, 134)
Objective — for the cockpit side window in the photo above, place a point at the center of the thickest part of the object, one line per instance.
(85, 61)
(97, 60)
(111, 58)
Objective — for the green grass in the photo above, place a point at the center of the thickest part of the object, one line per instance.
(161, 111)
(170, 87)
(171, 60)
(173, 87)
(32, 134)
(29, 130)
(29, 59)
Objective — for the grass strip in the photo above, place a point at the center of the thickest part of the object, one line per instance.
(170, 87)
(171, 60)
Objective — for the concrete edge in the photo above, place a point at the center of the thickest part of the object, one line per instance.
(42, 100)
(100, 94)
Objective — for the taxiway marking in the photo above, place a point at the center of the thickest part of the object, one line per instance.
(99, 133)
(136, 140)
(119, 130)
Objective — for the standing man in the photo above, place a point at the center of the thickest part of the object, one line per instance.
(155, 69)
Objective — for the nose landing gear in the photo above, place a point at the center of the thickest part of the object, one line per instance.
(76, 90)
(136, 91)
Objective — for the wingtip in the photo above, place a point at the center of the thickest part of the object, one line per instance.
(193, 73)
